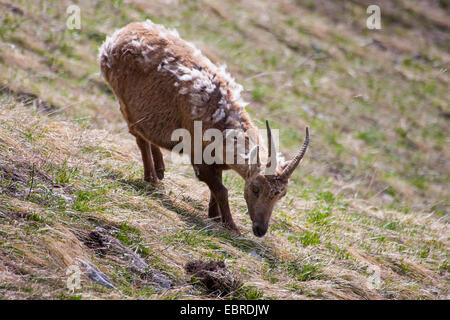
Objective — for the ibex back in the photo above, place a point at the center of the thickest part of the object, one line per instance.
(164, 83)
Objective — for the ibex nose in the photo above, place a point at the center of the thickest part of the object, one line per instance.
(259, 230)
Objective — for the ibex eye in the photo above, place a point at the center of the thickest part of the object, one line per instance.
(255, 189)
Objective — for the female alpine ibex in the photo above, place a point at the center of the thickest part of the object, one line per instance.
(164, 83)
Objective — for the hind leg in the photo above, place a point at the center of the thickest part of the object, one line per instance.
(158, 160)
(147, 159)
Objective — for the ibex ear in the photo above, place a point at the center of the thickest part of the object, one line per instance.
(254, 161)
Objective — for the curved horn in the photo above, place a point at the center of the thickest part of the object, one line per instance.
(272, 155)
(294, 162)
(254, 155)
(254, 167)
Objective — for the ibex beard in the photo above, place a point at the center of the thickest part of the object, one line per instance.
(164, 84)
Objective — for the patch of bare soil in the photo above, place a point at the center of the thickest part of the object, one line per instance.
(214, 276)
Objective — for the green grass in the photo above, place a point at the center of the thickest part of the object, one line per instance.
(319, 215)
(303, 272)
(373, 187)
(305, 239)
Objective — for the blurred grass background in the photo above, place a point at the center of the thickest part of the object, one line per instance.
(372, 191)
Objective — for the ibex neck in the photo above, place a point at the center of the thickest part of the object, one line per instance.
(248, 134)
(241, 161)
(242, 169)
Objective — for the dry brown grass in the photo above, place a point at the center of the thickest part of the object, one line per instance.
(372, 196)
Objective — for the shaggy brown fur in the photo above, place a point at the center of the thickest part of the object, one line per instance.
(164, 83)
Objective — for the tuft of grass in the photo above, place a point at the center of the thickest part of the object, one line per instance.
(64, 174)
(305, 239)
(326, 196)
(319, 215)
(248, 292)
(303, 272)
(131, 237)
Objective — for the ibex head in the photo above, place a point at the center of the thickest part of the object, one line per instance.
(263, 190)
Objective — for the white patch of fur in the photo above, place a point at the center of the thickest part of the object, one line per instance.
(105, 50)
(235, 89)
(281, 159)
(223, 102)
(244, 156)
(202, 80)
(218, 115)
(242, 102)
(162, 31)
(174, 33)
(148, 24)
(146, 53)
(200, 83)
(137, 44)
(185, 77)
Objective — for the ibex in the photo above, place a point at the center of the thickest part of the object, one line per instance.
(164, 83)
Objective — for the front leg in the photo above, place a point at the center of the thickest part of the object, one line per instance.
(221, 194)
(213, 178)
(213, 208)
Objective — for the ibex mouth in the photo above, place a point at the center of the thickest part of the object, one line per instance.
(258, 230)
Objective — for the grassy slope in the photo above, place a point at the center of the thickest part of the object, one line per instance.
(372, 194)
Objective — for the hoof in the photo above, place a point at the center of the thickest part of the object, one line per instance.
(151, 180)
(234, 229)
(160, 173)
